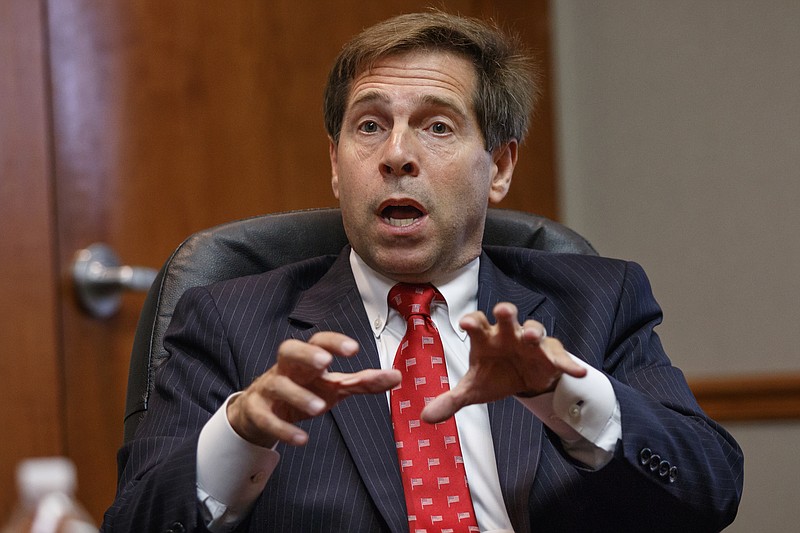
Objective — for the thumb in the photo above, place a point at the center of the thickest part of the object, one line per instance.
(441, 408)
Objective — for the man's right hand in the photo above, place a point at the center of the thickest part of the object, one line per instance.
(299, 386)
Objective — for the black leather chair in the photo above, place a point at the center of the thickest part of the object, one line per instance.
(265, 242)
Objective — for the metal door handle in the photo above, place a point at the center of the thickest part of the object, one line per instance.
(99, 279)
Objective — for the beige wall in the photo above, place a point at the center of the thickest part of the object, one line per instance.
(680, 148)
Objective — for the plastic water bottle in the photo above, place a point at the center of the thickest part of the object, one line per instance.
(47, 501)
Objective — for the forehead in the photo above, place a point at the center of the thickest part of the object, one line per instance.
(442, 73)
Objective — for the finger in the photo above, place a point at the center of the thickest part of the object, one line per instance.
(297, 357)
(442, 407)
(533, 332)
(307, 360)
(570, 367)
(285, 390)
(506, 315)
(335, 343)
(474, 322)
(252, 418)
(560, 358)
(275, 429)
(370, 381)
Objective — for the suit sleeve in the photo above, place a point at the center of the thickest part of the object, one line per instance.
(681, 465)
(157, 488)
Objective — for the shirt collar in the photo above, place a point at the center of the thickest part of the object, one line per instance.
(460, 290)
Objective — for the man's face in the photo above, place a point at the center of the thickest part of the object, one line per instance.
(410, 169)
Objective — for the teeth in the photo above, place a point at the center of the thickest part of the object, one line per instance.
(400, 222)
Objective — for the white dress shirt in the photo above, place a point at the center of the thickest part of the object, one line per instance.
(583, 412)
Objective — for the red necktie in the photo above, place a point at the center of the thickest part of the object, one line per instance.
(434, 480)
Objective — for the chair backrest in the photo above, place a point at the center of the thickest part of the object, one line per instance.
(266, 242)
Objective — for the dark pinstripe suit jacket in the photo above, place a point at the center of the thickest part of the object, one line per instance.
(347, 478)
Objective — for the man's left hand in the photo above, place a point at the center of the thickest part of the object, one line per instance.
(505, 359)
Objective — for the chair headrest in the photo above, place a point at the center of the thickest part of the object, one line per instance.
(262, 243)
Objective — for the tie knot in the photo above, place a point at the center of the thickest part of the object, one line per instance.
(411, 300)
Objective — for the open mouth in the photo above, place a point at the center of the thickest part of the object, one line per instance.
(401, 215)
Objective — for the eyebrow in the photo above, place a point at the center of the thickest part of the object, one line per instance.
(438, 101)
(372, 96)
(368, 97)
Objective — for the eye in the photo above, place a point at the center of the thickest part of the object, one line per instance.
(440, 128)
(368, 126)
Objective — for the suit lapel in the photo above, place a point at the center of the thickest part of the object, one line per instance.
(334, 304)
(516, 432)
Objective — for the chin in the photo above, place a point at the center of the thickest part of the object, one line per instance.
(406, 271)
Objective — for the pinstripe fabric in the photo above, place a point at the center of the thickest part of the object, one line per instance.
(347, 479)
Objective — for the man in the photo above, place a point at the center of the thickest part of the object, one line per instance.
(569, 415)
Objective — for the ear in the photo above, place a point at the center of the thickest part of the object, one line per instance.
(332, 152)
(505, 159)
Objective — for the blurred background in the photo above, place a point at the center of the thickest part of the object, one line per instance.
(668, 133)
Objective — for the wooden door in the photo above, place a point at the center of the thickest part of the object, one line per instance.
(30, 367)
(165, 118)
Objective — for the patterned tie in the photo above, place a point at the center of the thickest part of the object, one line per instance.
(434, 479)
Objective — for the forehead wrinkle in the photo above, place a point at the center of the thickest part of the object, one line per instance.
(443, 82)
(408, 75)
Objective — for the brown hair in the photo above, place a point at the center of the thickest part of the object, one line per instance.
(507, 82)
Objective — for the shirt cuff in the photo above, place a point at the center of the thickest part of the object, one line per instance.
(584, 413)
(231, 472)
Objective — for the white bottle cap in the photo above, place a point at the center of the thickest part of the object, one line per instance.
(41, 476)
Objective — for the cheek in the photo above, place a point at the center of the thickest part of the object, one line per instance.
(474, 180)
(446, 154)
(355, 185)
(355, 164)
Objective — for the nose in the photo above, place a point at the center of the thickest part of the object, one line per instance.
(399, 156)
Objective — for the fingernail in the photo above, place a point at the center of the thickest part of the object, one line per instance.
(349, 345)
(315, 406)
(322, 359)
